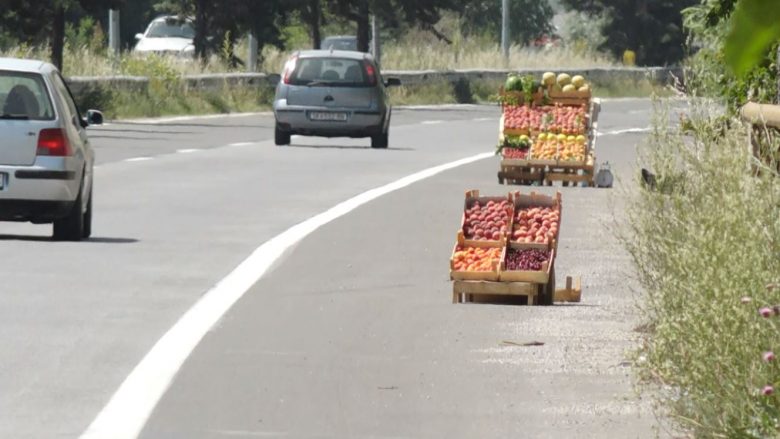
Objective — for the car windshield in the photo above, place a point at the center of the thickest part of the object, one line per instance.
(336, 72)
(23, 96)
(339, 44)
(171, 29)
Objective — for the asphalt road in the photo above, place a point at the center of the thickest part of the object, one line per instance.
(352, 333)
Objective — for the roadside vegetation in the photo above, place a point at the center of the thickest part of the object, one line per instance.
(704, 233)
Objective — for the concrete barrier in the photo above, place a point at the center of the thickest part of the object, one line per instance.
(88, 86)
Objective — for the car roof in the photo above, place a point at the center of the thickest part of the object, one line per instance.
(167, 17)
(348, 54)
(25, 65)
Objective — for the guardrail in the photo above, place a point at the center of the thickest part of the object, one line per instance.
(85, 86)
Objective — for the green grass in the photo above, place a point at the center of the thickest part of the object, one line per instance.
(706, 237)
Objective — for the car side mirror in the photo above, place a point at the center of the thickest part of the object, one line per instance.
(94, 117)
(392, 82)
(139, 36)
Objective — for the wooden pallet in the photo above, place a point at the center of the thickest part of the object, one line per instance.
(464, 291)
(572, 292)
(520, 174)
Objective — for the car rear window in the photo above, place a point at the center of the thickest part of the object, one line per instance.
(171, 28)
(336, 72)
(25, 96)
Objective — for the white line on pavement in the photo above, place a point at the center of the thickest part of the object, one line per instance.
(431, 122)
(129, 408)
(240, 144)
(483, 119)
(187, 150)
(138, 159)
(157, 120)
(625, 131)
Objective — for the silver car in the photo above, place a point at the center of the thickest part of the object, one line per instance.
(45, 157)
(332, 93)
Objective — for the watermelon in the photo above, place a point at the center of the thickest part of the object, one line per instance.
(513, 83)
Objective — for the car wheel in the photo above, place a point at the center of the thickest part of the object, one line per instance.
(87, 228)
(381, 140)
(71, 228)
(281, 137)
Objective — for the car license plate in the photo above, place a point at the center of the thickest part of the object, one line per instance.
(328, 116)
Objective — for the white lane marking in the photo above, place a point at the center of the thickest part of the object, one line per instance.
(138, 159)
(129, 408)
(625, 131)
(483, 119)
(187, 150)
(431, 122)
(246, 433)
(158, 120)
(240, 144)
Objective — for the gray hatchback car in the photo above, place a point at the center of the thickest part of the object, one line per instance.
(332, 93)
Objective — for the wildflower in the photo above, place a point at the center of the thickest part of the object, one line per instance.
(767, 390)
(746, 299)
(769, 356)
(766, 312)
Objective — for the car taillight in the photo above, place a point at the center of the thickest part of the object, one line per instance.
(371, 74)
(289, 68)
(53, 142)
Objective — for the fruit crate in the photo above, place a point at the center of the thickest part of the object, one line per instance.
(471, 291)
(472, 197)
(540, 277)
(570, 97)
(522, 201)
(461, 275)
(520, 172)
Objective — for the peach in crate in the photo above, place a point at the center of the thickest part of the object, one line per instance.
(536, 219)
(476, 261)
(486, 218)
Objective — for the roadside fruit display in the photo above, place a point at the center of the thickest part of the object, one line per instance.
(507, 246)
(487, 222)
(515, 153)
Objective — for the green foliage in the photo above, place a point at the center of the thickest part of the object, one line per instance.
(754, 28)
(530, 19)
(652, 29)
(707, 71)
(705, 236)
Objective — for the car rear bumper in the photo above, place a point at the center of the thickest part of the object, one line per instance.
(359, 123)
(39, 192)
(34, 210)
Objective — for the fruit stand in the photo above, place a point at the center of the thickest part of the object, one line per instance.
(506, 246)
(547, 131)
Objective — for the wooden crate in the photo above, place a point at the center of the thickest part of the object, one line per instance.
(569, 98)
(537, 100)
(462, 242)
(573, 173)
(571, 293)
(533, 199)
(539, 277)
(516, 171)
(473, 196)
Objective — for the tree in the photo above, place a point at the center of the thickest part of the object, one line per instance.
(530, 19)
(424, 13)
(652, 29)
(33, 21)
(219, 23)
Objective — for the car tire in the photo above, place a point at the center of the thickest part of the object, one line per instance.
(381, 140)
(87, 227)
(281, 137)
(71, 227)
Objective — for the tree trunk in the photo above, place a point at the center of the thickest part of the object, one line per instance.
(363, 26)
(315, 19)
(58, 36)
(201, 29)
